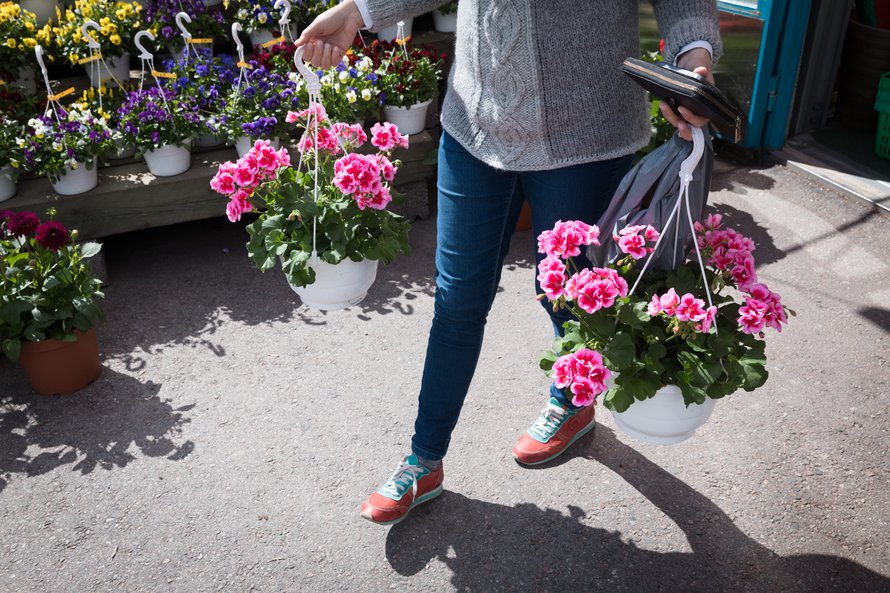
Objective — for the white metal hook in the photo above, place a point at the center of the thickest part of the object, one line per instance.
(236, 28)
(284, 7)
(313, 85)
(183, 16)
(143, 53)
(84, 29)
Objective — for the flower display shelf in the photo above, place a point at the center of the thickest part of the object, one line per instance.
(130, 198)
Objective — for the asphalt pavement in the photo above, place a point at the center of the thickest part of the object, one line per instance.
(233, 434)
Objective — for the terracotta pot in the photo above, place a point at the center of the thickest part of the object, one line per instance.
(59, 368)
(524, 223)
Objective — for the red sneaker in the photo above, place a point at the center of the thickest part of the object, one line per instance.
(411, 485)
(555, 429)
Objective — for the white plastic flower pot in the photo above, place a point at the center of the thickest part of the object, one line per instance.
(212, 2)
(444, 23)
(125, 151)
(99, 73)
(168, 161)
(664, 418)
(25, 81)
(261, 36)
(338, 286)
(409, 120)
(208, 141)
(244, 143)
(390, 33)
(77, 181)
(44, 10)
(7, 184)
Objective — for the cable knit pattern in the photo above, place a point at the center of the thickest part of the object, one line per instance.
(537, 85)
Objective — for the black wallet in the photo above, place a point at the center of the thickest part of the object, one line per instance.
(676, 87)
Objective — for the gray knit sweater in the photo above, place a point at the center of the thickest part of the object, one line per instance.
(537, 85)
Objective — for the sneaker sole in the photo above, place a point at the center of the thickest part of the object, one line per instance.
(580, 434)
(426, 497)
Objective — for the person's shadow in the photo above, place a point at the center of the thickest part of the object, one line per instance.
(490, 547)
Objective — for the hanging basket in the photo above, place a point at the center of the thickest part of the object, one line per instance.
(7, 184)
(118, 67)
(77, 181)
(338, 286)
(209, 140)
(244, 143)
(444, 23)
(390, 33)
(409, 120)
(261, 36)
(168, 160)
(58, 368)
(663, 419)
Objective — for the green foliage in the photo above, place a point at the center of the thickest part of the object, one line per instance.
(45, 294)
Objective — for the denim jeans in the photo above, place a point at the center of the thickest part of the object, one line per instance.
(478, 207)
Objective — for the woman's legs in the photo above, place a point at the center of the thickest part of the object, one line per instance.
(477, 211)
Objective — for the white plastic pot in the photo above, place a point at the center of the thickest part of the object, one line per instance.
(244, 143)
(409, 120)
(390, 33)
(444, 23)
(168, 161)
(25, 81)
(261, 36)
(212, 2)
(43, 9)
(7, 184)
(338, 286)
(77, 181)
(208, 140)
(664, 418)
(124, 151)
(99, 73)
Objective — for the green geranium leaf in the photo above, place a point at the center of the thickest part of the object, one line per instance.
(618, 399)
(620, 352)
(12, 347)
(90, 249)
(640, 387)
(547, 360)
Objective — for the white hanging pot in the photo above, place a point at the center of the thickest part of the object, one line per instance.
(168, 160)
(25, 81)
(124, 151)
(77, 181)
(338, 286)
(409, 120)
(7, 184)
(261, 36)
(44, 10)
(212, 2)
(244, 143)
(444, 23)
(99, 73)
(664, 418)
(208, 140)
(390, 33)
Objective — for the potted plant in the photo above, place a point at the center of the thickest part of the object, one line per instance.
(43, 10)
(205, 24)
(409, 81)
(18, 27)
(10, 156)
(118, 23)
(658, 358)
(48, 306)
(161, 124)
(207, 82)
(328, 243)
(257, 17)
(445, 17)
(105, 101)
(63, 145)
(257, 108)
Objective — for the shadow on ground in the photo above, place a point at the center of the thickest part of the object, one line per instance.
(491, 547)
(766, 251)
(105, 426)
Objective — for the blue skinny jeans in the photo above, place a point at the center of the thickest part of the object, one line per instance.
(478, 207)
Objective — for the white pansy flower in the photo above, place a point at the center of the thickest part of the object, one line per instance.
(242, 14)
(343, 76)
(336, 87)
(263, 18)
(366, 94)
(350, 96)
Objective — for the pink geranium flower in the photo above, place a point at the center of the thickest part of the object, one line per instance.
(386, 137)
(552, 277)
(566, 238)
(632, 240)
(238, 205)
(583, 373)
(708, 321)
(669, 301)
(752, 316)
(690, 308)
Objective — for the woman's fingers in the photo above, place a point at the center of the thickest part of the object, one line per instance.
(677, 121)
(696, 120)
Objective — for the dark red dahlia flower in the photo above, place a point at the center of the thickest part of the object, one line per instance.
(52, 235)
(23, 223)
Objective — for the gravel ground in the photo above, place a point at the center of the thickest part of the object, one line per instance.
(233, 435)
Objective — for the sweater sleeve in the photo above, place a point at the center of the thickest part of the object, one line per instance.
(682, 22)
(388, 12)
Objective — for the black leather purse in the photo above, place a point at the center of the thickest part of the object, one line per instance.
(676, 87)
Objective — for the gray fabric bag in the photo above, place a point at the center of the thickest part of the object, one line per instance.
(648, 194)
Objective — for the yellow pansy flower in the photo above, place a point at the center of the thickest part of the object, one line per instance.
(11, 43)
(115, 39)
(29, 25)
(30, 42)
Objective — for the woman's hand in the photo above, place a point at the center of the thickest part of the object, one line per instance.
(331, 34)
(696, 60)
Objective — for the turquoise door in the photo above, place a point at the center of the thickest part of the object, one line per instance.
(774, 31)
